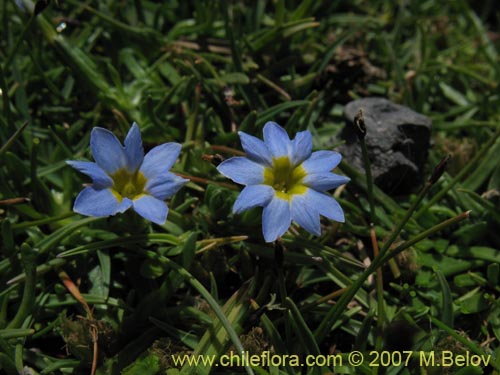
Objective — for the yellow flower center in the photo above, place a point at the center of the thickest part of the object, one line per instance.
(128, 185)
(285, 179)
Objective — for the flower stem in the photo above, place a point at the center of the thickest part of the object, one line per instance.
(425, 234)
(380, 292)
(369, 178)
(335, 313)
(459, 175)
(228, 150)
(359, 122)
(279, 257)
(206, 181)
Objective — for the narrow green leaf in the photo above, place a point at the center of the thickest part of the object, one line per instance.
(10, 333)
(273, 112)
(304, 333)
(484, 169)
(235, 79)
(276, 339)
(469, 344)
(453, 95)
(493, 274)
(13, 137)
(447, 300)
(101, 245)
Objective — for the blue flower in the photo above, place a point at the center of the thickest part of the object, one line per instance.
(286, 178)
(122, 177)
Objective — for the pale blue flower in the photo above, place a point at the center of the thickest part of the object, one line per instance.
(286, 178)
(122, 177)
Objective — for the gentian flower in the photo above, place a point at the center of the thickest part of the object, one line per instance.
(122, 177)
(286, 178)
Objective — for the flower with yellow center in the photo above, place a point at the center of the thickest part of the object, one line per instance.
(286, 178)
(123, 177)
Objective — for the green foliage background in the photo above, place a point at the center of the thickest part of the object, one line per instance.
(194, 72)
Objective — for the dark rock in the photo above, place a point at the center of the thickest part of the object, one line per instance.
(397, 140)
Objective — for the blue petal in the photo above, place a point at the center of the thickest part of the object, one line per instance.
(305, 215)
(253, 196)
(255, 149)
(133, 148)
(322, 161)
(276, 219)
(152, 209)
(277, 140)
(325, 205)
(107, 150)
(21, 5)
(99, 178)
(242, 171)
(160, 159)
(164, 185)
(99, 203)
(324, 181)
(301, 147)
